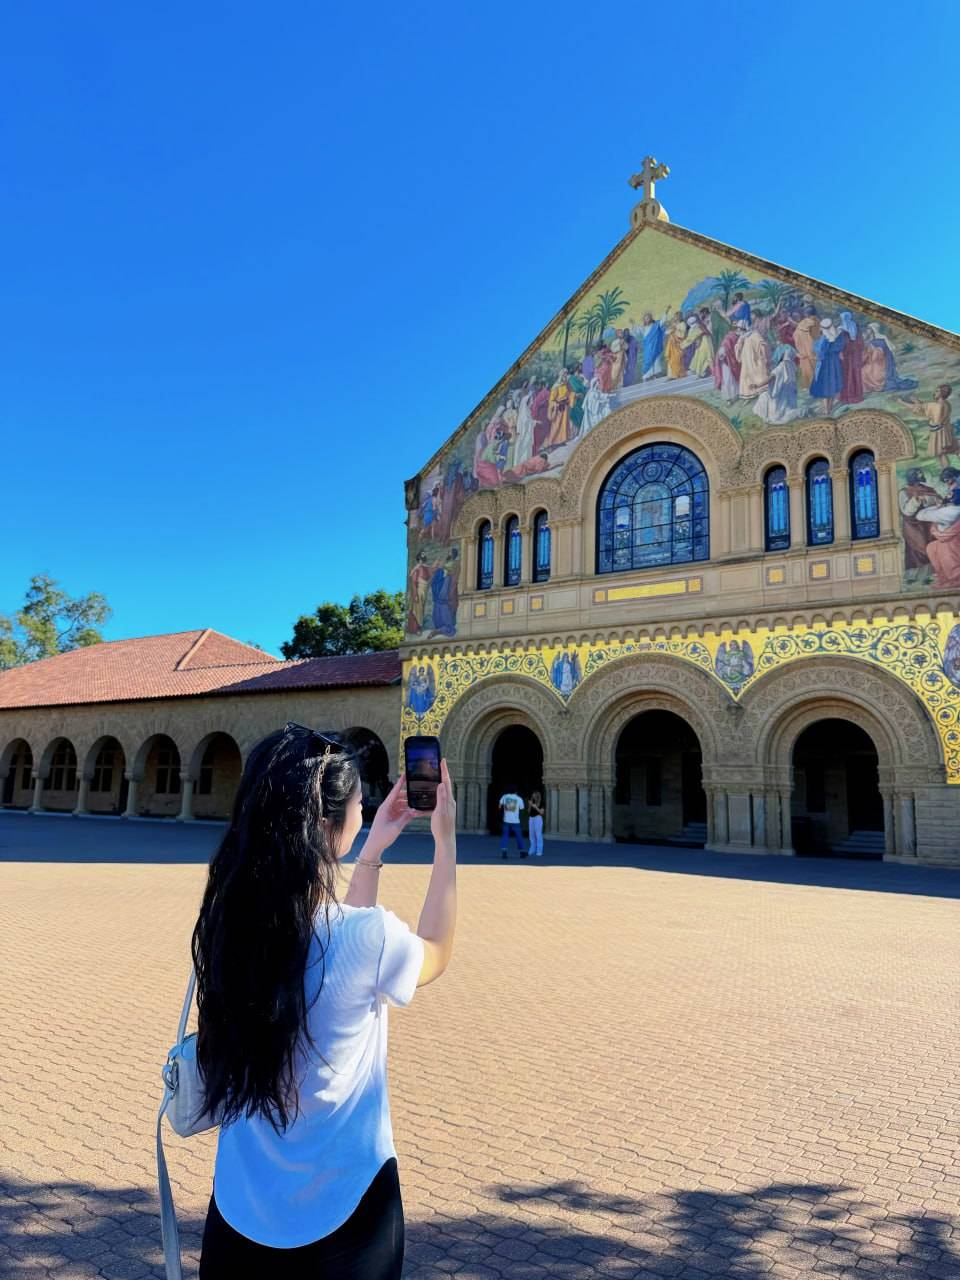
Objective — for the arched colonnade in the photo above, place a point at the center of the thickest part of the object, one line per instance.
(754, 779)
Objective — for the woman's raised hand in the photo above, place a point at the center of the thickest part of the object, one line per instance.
(443, 820)
(390, 819)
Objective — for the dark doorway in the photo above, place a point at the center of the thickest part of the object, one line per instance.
(517, 765)
(659, 796)
(374, 768)
(837, 806)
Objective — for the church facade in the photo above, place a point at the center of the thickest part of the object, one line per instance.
(691, 570)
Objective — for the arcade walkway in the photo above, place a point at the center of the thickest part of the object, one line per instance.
(640, 1063)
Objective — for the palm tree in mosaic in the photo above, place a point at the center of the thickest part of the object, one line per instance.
(775, 294)
(728, 282)
(589, 327)
(567, 325)
(610, 306)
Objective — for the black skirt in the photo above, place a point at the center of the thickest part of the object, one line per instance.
(368, 1246)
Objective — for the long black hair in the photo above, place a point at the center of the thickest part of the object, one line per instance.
(276, 866)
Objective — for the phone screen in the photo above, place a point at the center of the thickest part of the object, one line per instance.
(422, 767)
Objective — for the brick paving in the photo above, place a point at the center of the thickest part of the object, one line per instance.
(656, 1063)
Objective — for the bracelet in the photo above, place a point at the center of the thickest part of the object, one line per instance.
(362, 862)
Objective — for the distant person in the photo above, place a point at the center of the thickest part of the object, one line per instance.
(510, 806)
(536, 824)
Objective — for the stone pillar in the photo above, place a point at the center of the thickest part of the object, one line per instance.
(786, 828)
(131, 809)
(553, 810)
(739, 819)
(526, 553)
(186, 800)
(583, 811)
(83, 790)
(887, 496)
(755, 501)
(598, 826)
(798, 510)
(721, 827)
(889, 823)
(36, 805)
(840, 480)
(760, 820)
(907, 826)
(566, 810)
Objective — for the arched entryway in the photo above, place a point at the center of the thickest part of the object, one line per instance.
(17, 786)
(658, 789)
(837, 806)
(217, 766)
(374, 767)
(59, 793)
(106, 784)
(516, 764)
(158, 793)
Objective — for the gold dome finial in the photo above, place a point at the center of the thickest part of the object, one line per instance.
(649, 208)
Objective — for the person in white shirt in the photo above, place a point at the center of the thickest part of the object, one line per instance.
(293, 988)
(510, 806)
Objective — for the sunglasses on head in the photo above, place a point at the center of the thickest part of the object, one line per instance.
(320, 743)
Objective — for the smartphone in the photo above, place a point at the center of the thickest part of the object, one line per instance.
(421, 764)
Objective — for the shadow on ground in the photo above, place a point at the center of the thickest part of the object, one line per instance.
(779, 1230)
(47, 838)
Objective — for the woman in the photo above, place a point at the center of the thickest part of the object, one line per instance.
(292, 993)
(535, 830)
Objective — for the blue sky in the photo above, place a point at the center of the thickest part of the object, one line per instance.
(259, 261)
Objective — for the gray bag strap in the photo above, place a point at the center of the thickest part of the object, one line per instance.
(169, 1231)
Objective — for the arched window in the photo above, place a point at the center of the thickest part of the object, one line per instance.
(864, 507)
(819, 503)
(102, 779)
(204, 785)
(513, 544)
(63, 769)
(485, 556)
(654, 508)
(26, 766)
(776, 493)
(541, 547)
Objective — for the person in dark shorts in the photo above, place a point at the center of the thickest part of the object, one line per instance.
(293, 988)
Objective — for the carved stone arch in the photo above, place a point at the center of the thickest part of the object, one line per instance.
(882, 433)
(137, 763)
(475, 510)
(490, 705)
(810, 689)
(87, 761)
(679, 419)
(10, 746)
(542, 494)
(605, 702)
(41, 766)
(191, 756)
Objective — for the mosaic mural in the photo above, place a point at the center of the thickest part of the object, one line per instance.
(925, 656)
(669, 317)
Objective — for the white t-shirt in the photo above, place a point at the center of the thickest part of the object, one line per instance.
(291, 1189)
(511, 805)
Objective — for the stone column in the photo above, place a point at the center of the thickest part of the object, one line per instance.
(840, 480)
(786, 828)
(471, 820)
(553, 810)
(526, 553)
(583, 811)
(760, 820)
(887, 496)
(798, 510)
(721, 828)
(83, 790)
(186, 800)
(131, 809)
(36, 805)
(754, 500)
(907, 826)
(599, 827)
(889, 823)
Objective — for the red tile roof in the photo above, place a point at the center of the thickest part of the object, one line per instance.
(179, 665)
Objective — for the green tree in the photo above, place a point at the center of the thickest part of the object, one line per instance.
(368, 624)
(50, 622)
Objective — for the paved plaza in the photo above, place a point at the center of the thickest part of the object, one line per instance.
(641, 1062)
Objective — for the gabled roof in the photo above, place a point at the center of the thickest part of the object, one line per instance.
(181, 664)
(738, 256)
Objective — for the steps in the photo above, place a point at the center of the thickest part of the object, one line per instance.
(861, 844)
(693, 836)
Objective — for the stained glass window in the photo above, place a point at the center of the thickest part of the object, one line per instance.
(511, 553)
(819, 503)
(864, 508)
(485, 556)
(654, 508)
(541, 547)
(777, 500)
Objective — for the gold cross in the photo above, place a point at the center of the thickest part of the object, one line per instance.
(648, 175)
